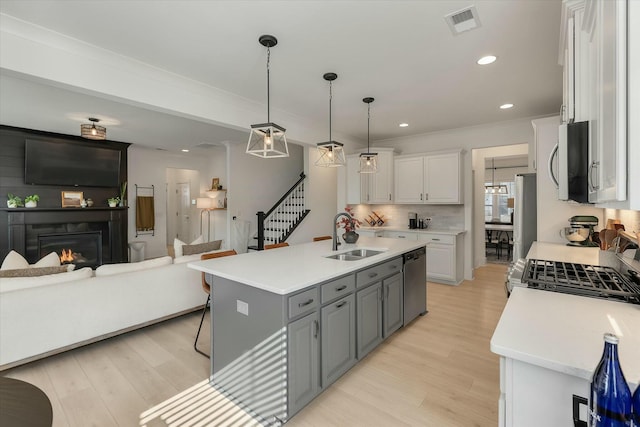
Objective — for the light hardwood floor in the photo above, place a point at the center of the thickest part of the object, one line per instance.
(438, 371)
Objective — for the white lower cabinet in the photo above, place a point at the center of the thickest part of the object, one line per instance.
(400, 235)
(533, 396)
(445, 257)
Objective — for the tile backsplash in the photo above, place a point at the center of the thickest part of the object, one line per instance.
(442, 216)
(630, 219)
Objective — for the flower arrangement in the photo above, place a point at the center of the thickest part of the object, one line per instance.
(344, 222)
(113, 201)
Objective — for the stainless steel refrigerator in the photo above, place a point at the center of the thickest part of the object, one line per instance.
(525, 227)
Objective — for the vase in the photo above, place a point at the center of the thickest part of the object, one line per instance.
(11, 204)
(350, 237)
(112, 204)
(30, 204)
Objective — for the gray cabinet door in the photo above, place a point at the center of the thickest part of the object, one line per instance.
(369, 318)
(393, 304)
(303, 362)
(338, 325)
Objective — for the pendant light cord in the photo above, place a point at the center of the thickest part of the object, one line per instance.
(330, 98)
(368, 120)
(268, 93)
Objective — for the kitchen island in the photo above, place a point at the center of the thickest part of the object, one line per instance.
(550, 344)
(288, 322)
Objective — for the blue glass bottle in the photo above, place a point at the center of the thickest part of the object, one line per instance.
(636, 407)
(610, 403)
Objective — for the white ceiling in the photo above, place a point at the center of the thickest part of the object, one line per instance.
(402, 53)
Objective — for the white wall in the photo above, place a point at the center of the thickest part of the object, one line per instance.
(175, 177)
(320, 190)
(147, 167)
(255, 184)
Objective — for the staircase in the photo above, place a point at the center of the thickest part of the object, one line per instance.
(281, 220)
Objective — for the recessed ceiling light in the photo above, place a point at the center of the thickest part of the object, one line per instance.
(184, 150)
(485, 60)
(506, 106)
(403, 125)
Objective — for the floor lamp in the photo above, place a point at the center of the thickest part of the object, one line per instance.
(207, 204)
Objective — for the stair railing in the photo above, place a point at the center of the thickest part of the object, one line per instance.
(272, 225)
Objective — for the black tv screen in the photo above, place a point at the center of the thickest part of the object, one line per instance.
(60, 163)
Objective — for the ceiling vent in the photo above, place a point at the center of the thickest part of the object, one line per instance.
(463, 20)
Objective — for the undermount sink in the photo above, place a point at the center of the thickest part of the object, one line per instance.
(354, 255)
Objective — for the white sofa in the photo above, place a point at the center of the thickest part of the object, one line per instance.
(39, 317)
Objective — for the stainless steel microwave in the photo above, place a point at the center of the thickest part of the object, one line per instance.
(573, 162)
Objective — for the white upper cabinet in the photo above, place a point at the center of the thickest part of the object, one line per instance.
(606, 22)
(409, 180)
(428, 179)
(593, 53)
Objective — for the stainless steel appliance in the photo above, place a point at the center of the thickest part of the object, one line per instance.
(415, 284)
(525, 228)
(413, 220)
(580, 231)
(618, 284)
(573, 162)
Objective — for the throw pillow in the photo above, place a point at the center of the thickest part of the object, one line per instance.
(14, 261)
(178, 244)
(34, 271)
(200, 248)
(51, 260)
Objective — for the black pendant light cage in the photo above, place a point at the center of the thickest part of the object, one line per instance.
(331, 153)
(92, 130)
(493, 188)
(368, 160)
(267, 140)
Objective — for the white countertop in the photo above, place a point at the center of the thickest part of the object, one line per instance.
(449, 231)
(295, 267)
(564, 332)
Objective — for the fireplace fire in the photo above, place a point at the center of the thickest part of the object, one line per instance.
(70, 257)
(84, 249)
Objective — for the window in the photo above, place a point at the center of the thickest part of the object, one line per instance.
(495, 205)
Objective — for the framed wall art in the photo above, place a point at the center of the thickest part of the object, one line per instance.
(72, 199)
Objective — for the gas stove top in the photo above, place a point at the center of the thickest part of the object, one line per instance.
(580, 279)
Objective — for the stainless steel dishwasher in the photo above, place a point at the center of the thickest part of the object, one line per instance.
(415, 284)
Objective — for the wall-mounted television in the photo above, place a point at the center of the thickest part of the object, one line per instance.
(62, 163)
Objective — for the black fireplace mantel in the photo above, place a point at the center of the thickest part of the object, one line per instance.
(18, 219)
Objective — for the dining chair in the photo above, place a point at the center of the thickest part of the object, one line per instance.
(276, 245)
(207, 288)
(319, 238)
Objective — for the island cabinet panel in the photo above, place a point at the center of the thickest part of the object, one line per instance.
(338, 325)
(274, 353)
(369, 319)
(249, 346)
(303, 361)
(393, 304)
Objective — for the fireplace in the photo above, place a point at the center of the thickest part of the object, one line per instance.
(96, 235)
(82, 249)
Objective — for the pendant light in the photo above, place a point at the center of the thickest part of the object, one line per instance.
(93, 131)
(368, 160)
(331, 152)
(267, 140)
(493, 188)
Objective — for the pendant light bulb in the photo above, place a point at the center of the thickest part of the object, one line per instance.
(330, 153)
(368, 160)
(267, 140)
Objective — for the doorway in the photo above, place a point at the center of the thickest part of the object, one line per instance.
(494, 192)
(182, 184)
